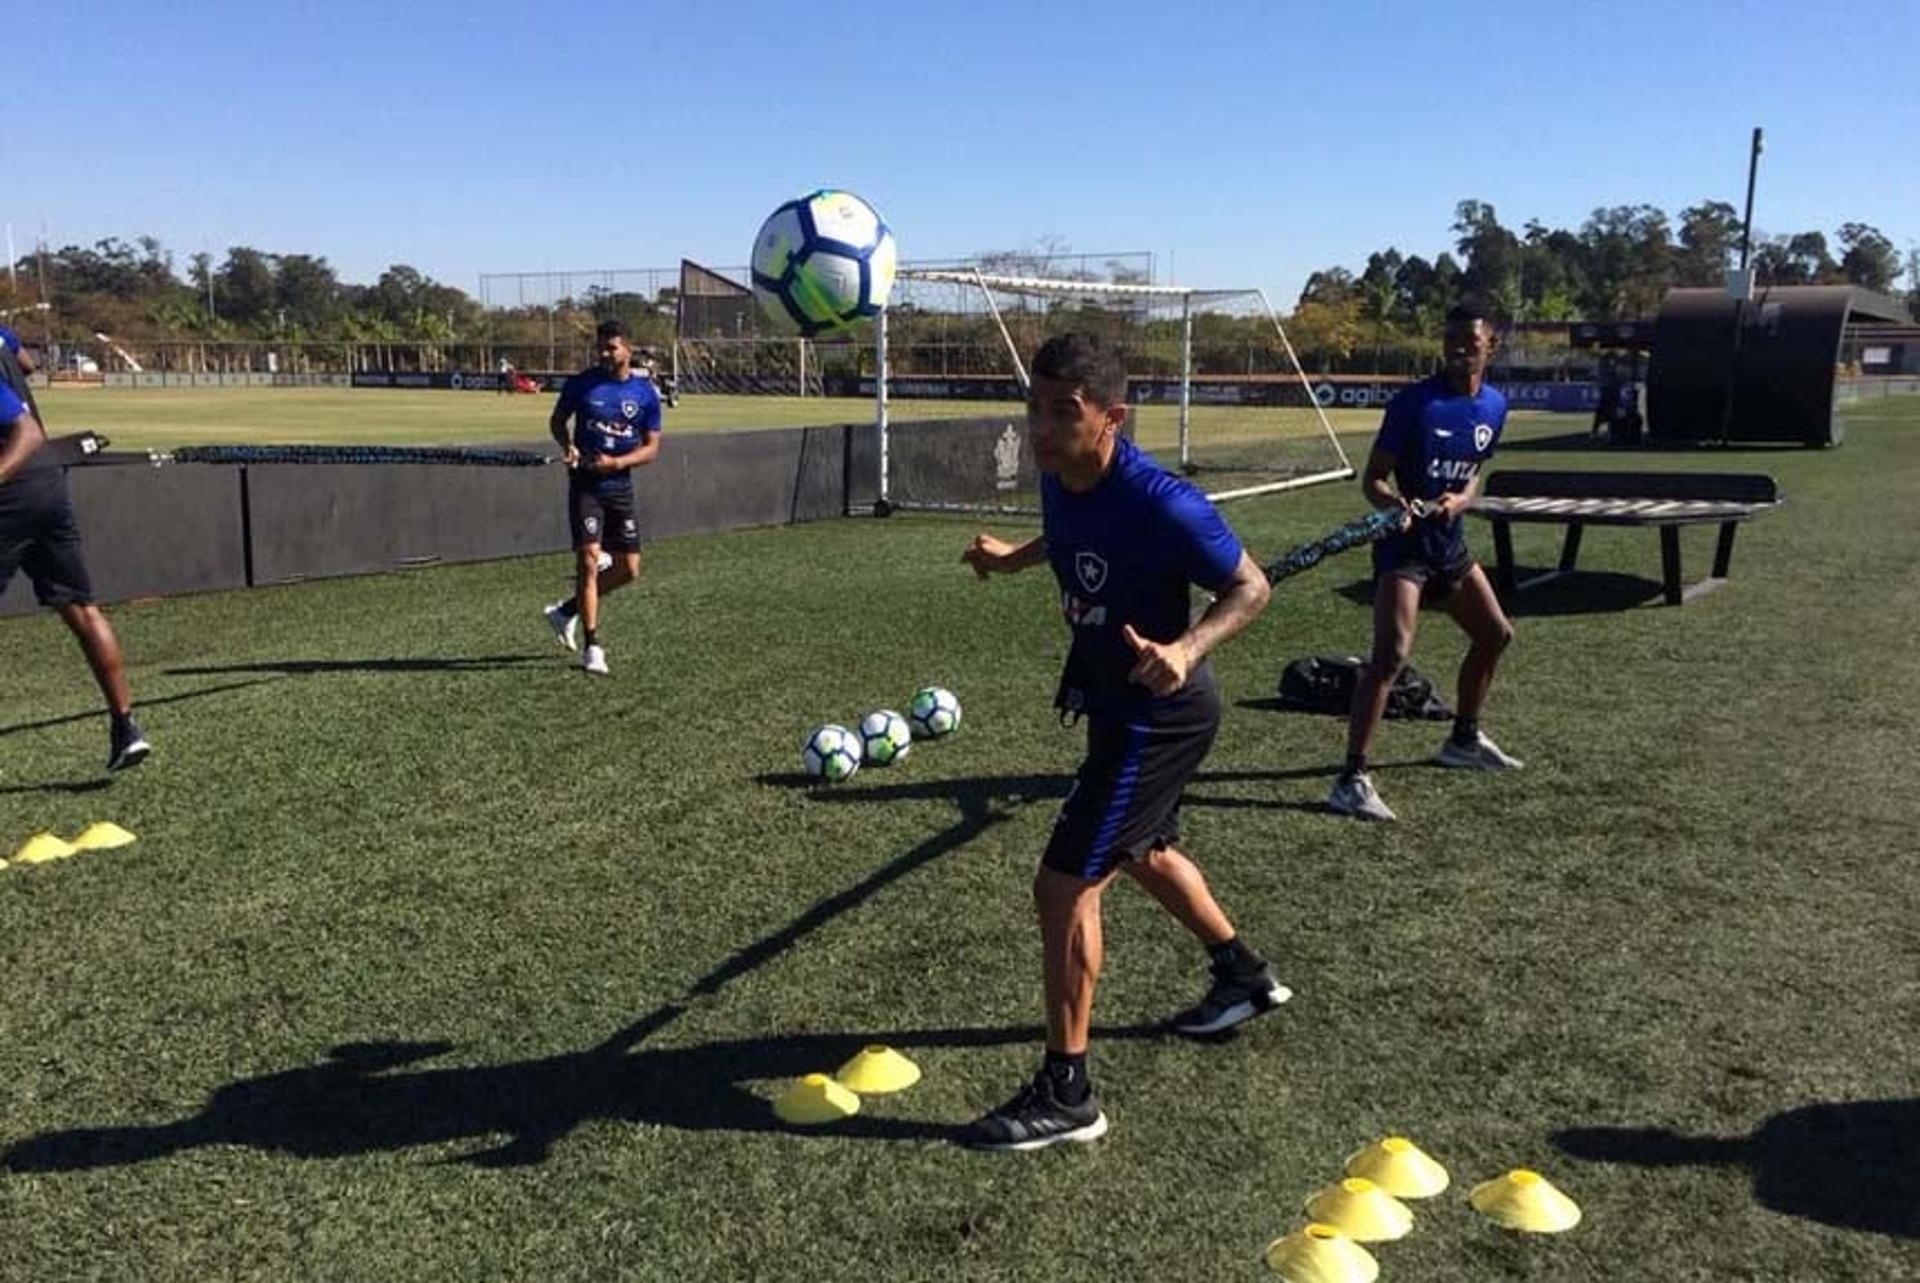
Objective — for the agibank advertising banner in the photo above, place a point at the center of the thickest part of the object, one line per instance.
(449, 380)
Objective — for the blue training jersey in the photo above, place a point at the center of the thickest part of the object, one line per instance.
(9, 340)
(1439, 440)
(12, 408)
(610, 416)
(1127, 552)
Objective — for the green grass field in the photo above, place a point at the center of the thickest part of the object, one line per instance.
(436, 960)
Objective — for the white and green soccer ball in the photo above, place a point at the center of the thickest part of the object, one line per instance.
(884, 737)
(933, 712)
(823, 263)
(831, 753)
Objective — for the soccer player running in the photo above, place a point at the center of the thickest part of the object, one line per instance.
(1125, 539)
(38, 534)
(616, 428)
(1433, 440)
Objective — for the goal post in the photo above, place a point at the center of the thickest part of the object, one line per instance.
(1215, 386)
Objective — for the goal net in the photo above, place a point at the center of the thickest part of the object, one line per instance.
(1215, 388)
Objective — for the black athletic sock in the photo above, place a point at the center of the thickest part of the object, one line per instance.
(1466, 731)
(593, 637)
(1069, 1076)
(1233, 956)
(569, 608)
(122, 722)
(1356, 765)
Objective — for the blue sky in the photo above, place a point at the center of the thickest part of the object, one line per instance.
(1245, 143)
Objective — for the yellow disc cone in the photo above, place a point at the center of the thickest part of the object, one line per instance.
(1321, 1254)
(815, 1099)
(1524, 1200)
(103, 835)
(1361, 1210)
(42, 847)
(1400, 1167)
(877, 1071)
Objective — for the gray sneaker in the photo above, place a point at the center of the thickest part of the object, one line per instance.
(1354, 795)
(1036, 1118)
(1482, 755)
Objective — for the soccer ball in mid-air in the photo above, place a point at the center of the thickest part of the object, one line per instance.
(823, 263)
(884, 737)
(831, 753)
(933, 712)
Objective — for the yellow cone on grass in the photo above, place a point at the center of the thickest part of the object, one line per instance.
(875, 1071)
(1525, 1200)
(102, 835)
(42, 847)
(1321, 1254)
(815, 1099)
(1361, 1210)
(1400, 1167)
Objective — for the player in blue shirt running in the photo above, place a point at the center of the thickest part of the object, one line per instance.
(616, 428)
(1434, 441)
(38, 534)
(1126, 541)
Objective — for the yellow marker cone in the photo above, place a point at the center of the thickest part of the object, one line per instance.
(1400, 1167)
(1524, 1200)
(103, 835)
(815, 1099)
(42, 847)
(1321, 1254)
(877, 1071)
(1361, 1210)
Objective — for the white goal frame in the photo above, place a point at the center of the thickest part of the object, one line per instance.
(1048, 287)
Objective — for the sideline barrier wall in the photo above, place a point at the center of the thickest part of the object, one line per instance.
(155, 531)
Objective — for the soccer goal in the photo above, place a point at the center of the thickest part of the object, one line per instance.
(1216, 389)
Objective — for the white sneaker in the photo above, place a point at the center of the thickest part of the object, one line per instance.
(1354, 795)
(1482, 755)
(594, 660)
(562, 625)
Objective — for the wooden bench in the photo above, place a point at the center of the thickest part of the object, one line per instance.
(1667, 500)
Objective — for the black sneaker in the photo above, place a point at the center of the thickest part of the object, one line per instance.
(126, 746)
(1235, 997)
(1036, 1118)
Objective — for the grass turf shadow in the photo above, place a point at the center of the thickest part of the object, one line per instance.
(302, 667)
(353, 1102)
(369, 1098)
(1851, 1164)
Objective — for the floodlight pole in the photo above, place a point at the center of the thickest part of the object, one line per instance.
(1740, 299)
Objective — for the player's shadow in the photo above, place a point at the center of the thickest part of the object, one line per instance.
(1243, 802)
(95, 785)
(298, 667)
(1852, 1164)
(352, 1102)
(96, 712)
(370, 1098)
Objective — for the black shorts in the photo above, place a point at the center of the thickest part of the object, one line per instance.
(1439, 571)
(1126, 798)
(38, 535)
(603, 516)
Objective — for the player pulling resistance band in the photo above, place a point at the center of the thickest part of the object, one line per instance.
(1433, 440)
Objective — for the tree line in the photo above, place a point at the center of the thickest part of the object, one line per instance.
(1616, 266)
